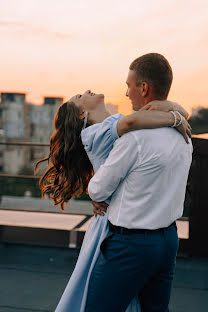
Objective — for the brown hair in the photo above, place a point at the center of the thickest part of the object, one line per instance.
(154, 69)
(69, 168)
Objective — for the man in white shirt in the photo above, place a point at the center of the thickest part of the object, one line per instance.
(146, 175)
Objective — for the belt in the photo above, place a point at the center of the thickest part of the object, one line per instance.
(122, 230)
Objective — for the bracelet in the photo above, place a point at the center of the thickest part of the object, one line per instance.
(181, 119)
(175, 122)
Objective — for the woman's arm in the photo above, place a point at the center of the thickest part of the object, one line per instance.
(166, 106)
(151, 119)
(144, 120)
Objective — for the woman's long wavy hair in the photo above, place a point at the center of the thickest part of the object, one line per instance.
(69, 168)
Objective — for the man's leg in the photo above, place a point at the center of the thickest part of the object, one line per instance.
(128, 265)
(114, 282)
(155, 296)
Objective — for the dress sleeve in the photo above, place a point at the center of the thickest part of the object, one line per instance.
(98, 139)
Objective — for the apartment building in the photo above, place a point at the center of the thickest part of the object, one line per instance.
(24, 122)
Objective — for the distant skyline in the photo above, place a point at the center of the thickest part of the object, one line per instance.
(62, 47)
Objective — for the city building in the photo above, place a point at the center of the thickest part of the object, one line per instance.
(24, 122)
(13, 125)
(41, 127)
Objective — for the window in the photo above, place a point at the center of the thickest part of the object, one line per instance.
(50, 100)
(32, 130)
(32, 154)
(9, 97)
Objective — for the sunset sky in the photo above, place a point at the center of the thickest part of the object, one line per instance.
(64, 47)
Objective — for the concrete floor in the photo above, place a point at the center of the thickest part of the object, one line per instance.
(33, 279)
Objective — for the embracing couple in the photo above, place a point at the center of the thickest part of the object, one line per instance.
(135, 168)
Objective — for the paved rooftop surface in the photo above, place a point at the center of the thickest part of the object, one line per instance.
(33, 279)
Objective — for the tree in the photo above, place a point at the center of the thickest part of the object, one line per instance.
(199, 122)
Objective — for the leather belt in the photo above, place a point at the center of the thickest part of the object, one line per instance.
(122, 230)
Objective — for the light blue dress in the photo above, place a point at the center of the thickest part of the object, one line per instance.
(98, 141)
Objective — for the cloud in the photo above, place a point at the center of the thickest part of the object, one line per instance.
(27, 29)
(11, 23)
(63, 36)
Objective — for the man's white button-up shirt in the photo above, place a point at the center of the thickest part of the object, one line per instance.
(146, 174)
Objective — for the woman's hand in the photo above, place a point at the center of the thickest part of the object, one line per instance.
(165, 106)
(98, 207)
(184, 129)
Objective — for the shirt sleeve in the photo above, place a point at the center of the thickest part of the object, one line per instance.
(119, 163)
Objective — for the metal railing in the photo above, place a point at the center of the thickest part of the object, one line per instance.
(25, 144)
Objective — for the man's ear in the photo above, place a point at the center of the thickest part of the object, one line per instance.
(144, 88)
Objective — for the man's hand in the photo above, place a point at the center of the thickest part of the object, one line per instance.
(98, 207)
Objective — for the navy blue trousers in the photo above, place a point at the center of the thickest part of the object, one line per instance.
(140, 264)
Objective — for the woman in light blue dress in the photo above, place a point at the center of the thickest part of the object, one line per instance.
(71, 147)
